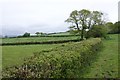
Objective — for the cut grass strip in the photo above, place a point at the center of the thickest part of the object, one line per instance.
(106, 66)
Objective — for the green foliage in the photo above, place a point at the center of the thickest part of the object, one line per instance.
(37, 33)
(97, 31)
(65, 61)
(109, 26)
(26, 34)
(107, 63)
(115, 29)
(84, 19)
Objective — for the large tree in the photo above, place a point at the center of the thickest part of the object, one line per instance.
(74, 19)
(78, 20)
(85, 19)
(84, 16)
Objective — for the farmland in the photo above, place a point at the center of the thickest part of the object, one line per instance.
(64, 58)
(104, 65)
(14, 55)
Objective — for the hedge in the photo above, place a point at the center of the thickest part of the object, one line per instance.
(66, 61)
(44, 42)
(47, 36)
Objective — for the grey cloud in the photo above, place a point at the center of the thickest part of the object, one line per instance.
(21, 16)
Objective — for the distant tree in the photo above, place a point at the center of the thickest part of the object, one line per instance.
(6, 36)
(26, 34)
(37, 33)
(109, 26)
(116, 28)
(113, 28)
(41, 33)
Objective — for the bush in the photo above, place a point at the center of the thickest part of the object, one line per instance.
(97, 31)
(115, 28)
(26, 35)
(65, 61)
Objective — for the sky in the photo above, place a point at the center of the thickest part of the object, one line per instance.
(20, 16)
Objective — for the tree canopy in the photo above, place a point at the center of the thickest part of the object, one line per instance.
(84, 20)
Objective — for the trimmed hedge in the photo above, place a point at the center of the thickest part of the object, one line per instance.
(51, 36)
(44, 42)
(66, 61)
(47, 36)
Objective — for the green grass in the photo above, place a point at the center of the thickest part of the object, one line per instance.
(66, 60)
(37, 39)
(106, 64)
(14, 55)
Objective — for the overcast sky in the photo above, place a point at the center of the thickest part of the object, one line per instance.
(19, 16)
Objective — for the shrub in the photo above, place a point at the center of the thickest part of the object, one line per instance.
(26, 35)
(115, 28)
(96, 31)
(65, 61)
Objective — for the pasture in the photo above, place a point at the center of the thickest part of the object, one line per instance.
(14, 55)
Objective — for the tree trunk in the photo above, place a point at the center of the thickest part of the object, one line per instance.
(78, 28)
(82, 33)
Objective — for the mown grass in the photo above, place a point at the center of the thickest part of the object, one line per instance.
(106, 65)
(14, 55)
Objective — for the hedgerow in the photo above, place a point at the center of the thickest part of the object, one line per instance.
(42, 42)
(48, 36)
(66, 61)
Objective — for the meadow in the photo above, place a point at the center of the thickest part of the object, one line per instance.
(14, 55)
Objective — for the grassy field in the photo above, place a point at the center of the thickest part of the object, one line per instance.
(37, 39)
(14, 55)
(106, 64)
